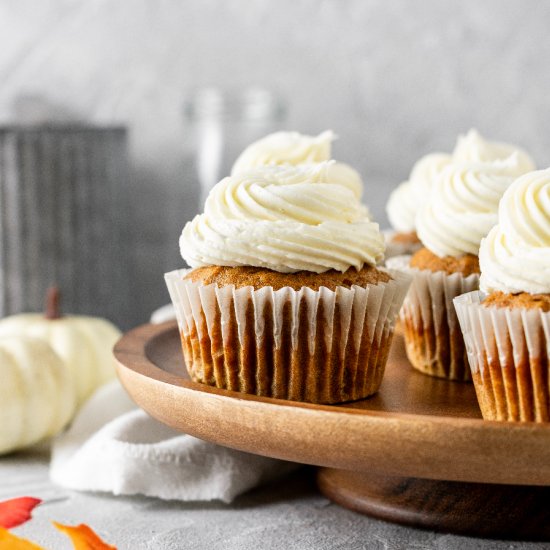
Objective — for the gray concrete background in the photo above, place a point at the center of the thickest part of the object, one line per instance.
(395, 79)
(289, 515)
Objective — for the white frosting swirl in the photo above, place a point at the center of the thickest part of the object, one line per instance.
(285, 148)
(293, 148)
(284, 218)
(406, 198)
(344, 174)
(463, 205)
(472, 147)
(426, 170)
(401, 208)
(515, 256)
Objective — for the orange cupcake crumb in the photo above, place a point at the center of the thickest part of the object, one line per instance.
(467, 264)
(406, 238)
(521, 300)
(259, 277)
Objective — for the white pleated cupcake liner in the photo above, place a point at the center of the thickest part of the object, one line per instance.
(509, 354)
(433, 338)
(318, 346)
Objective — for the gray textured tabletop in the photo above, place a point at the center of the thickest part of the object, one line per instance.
(289, 514)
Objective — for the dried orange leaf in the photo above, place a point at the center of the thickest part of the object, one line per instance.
(83, 537)
(9, 541)
(16, 511)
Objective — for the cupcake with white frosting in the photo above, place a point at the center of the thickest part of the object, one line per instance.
(461, 210)
(284, 298)
(506, 325)
(407, 198)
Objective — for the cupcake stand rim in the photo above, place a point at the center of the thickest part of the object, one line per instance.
(416, 469)
(137, 372)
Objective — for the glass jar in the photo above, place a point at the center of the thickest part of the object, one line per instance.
(223, 123)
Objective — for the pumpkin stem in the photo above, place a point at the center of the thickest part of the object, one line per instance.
(52, 310)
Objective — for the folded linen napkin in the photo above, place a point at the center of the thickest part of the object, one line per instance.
(115, 447)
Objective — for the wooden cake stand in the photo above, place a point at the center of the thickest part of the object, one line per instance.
(417, 453)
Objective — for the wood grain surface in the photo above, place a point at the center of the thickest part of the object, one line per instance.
(416, 426)
(475, 509)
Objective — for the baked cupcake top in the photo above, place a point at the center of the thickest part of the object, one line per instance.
(284, 218)
(297, 149)
(515, 255)
(404, 202)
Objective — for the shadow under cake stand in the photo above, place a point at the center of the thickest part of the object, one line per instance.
(416, 453)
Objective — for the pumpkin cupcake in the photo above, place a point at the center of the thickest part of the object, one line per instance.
(506, 325)
(461, 210)
(284, 299)
(405, 200)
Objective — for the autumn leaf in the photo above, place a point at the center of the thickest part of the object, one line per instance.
(9, 541)
(83, 537)
(16, 511)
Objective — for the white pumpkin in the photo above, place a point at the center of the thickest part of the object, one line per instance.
(84, 343)
(37, 395)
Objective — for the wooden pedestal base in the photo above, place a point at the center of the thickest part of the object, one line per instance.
(494, 511)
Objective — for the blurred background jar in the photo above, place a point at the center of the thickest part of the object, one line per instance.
(222, 123)
(61, 193)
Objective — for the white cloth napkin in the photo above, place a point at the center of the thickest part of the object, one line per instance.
(112, 446)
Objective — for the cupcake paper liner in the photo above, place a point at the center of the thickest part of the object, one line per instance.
(508, 350)
(433, 339)
(319, 346)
